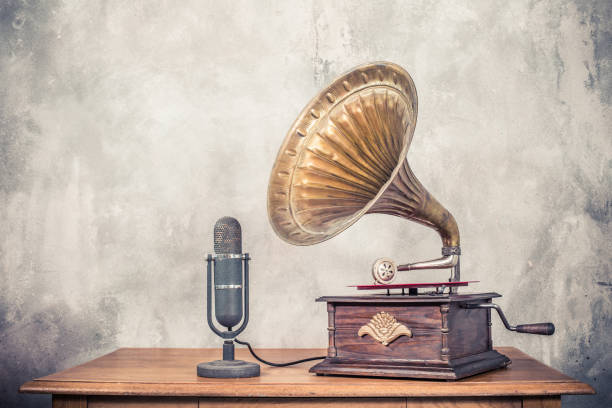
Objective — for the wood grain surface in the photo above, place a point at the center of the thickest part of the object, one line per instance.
(541, 402)
(172, 372)
(423, 321)
(304, 402)
(464, 403)
(69, 401)
(65, 401)
(468, 331)
(141, 402)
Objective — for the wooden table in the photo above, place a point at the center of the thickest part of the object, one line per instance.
(150, 377)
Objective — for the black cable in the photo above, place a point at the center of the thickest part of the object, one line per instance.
(244, 343)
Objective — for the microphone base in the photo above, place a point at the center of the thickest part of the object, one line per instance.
(228, 369)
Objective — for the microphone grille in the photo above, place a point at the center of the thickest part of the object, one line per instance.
(228, 236)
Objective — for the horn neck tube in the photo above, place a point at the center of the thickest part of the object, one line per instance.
(406, 197)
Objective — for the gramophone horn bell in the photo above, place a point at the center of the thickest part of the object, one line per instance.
(344, 157)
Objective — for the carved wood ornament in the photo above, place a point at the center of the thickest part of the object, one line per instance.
(384, 328)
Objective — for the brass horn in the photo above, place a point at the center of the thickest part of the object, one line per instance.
(344, 157)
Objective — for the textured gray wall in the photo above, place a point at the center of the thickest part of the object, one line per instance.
(128, 127)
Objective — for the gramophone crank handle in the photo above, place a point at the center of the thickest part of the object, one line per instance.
(536, 328)
(533, 328)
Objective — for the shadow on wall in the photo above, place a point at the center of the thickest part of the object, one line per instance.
(46, 341)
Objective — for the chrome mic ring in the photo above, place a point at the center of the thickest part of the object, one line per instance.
(228, 256)
(228, 286)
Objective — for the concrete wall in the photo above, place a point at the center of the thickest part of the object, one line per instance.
(128, 128)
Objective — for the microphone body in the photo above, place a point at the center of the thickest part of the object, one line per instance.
(228, 291)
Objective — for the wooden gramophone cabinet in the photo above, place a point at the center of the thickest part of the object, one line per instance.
(443, 340)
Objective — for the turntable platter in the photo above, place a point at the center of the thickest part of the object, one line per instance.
(413, 285)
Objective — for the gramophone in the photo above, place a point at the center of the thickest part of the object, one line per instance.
(342, 158)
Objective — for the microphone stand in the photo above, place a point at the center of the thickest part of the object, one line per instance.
(228, 367)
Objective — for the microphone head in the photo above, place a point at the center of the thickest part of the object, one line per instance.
(228, 236)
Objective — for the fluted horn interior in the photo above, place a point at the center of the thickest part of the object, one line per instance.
(348, 160)
(341, 152)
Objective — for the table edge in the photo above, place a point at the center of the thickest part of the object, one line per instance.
(289, 390)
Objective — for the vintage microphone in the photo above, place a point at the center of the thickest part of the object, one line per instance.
(229, 286)
(228, 261)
